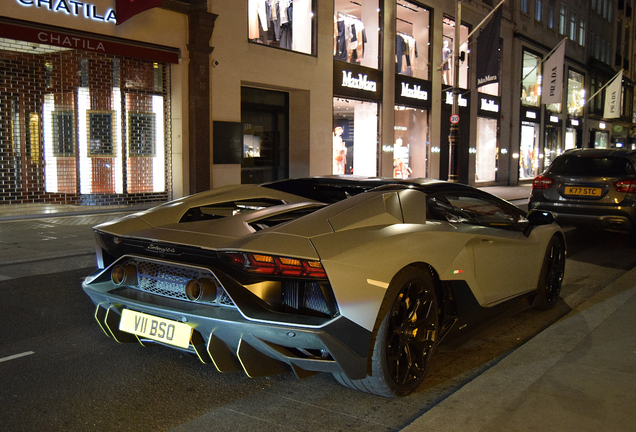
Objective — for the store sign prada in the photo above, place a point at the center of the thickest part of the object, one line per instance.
(361, 83)
(72, 7)
(414, 93)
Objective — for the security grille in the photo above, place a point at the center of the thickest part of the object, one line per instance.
(82, 127)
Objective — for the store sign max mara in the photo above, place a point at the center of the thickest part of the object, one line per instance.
(73, 8)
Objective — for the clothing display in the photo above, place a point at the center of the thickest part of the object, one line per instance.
(270, 22)
(350, 38)
(406, 53)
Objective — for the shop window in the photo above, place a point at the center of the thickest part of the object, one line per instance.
(412, 40)
(287, 24)
(486, 150)
(576, 94)
(570, 138)
(531, 84)
(357, 32)
(63, 134)
(529, 151)
(448, 44)
(552, 147)
(355, 137)
(100, 129)
(410, 146)
(601, 139)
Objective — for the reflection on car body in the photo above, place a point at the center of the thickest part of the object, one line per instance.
(361, 278)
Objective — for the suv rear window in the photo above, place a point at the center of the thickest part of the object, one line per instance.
(592, 166)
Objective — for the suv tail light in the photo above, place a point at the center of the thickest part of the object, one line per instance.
(628, 186)
(542, 182)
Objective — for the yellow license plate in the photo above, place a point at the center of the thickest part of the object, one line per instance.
(155, 328)
(583, 191)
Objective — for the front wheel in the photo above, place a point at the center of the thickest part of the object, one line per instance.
(551, 276)
(405, 338)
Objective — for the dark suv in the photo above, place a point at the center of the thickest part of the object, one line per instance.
(590, 187)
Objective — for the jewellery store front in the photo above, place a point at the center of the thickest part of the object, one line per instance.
(84, 117)
(356, 106)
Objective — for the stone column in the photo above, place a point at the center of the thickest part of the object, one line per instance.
(200, 28)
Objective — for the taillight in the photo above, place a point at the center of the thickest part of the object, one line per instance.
(627, 186)
(542, 182)
(275, 265)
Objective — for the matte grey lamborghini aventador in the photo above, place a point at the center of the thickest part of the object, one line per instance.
(362, 278)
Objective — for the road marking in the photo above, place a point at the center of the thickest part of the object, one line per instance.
(13, 357)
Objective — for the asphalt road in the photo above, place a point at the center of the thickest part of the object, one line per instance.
(59, 372)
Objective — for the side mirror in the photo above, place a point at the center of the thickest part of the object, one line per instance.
(537, 218)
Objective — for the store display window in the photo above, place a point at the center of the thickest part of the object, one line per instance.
(601, 139)
(486, 151)
(355, 137)
(448, 44)
(287, 24)
(531, 83)
(552, 147)
(412, 40)
(411, 144)
(570, 138)
(576, 94)
(357, 32)
(529, 151)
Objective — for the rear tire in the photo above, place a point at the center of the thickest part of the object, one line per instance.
(551, 276)
(405, 339)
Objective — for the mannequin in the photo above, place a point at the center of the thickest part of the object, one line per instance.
(446, 68)
(339, 151)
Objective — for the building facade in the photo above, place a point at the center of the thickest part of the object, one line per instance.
(193, 95)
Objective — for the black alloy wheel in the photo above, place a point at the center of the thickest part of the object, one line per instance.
(552, 272)
(411, 334)
(407, 332)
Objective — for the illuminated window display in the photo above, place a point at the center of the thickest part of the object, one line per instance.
(552, 146)
(531, 84)
(355, 137)
(448, 30)
(486, 150)
(570, 138)
(412, 40)
(601, 139)
(576, 94)
(529, 151)
(286, 24)
(356, 32)
(410, 146)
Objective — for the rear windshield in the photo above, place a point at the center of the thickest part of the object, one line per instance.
(592, 166)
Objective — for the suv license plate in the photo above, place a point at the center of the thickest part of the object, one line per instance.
(583, 191)
(155, 328)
